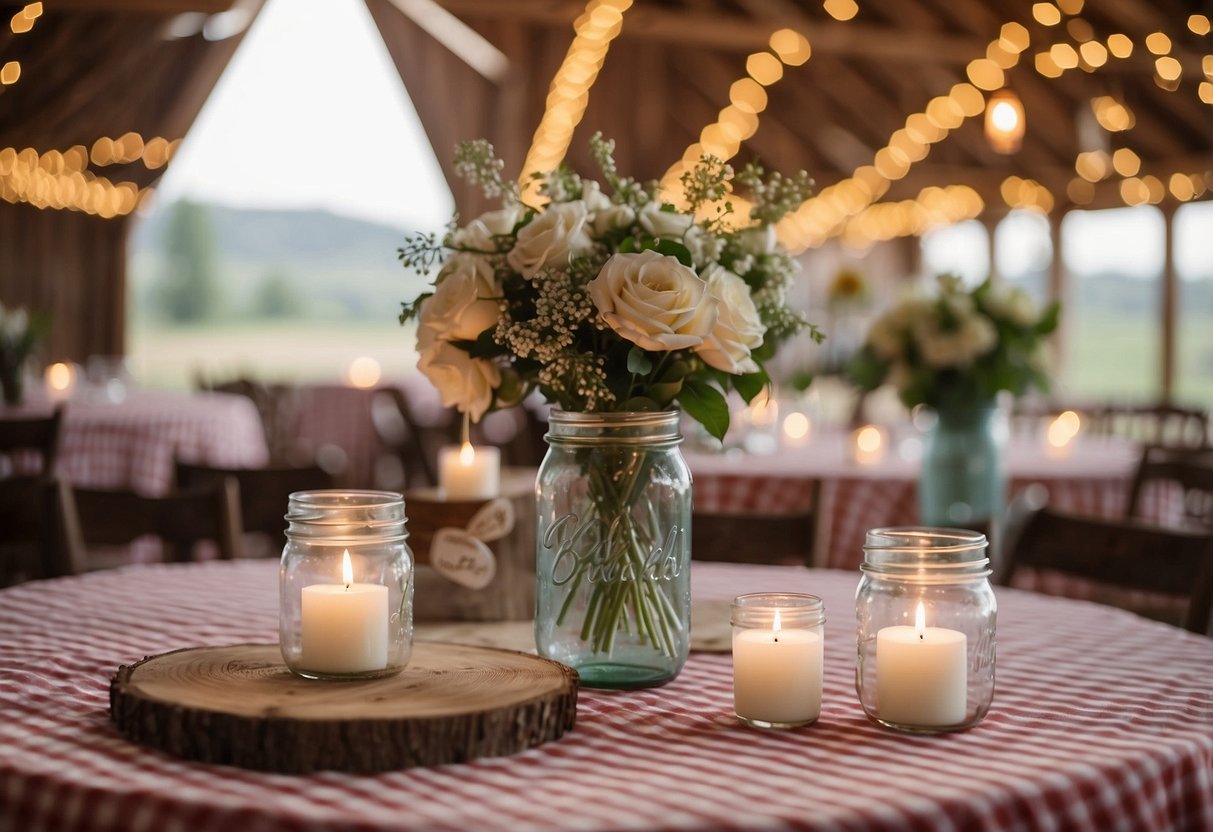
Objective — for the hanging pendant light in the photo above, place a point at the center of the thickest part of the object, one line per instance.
(1005, 121)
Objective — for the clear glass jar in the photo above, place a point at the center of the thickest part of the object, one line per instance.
(345, 590)
(778, 657)
(613, 595)
(926, 629)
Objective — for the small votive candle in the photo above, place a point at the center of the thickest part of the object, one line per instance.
(778, 655)
(868, 445)
(469, 473)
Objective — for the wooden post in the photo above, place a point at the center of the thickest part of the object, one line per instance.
(1058, 290)
(1170, 307)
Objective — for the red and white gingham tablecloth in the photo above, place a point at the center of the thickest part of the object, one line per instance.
(1101, 721)
(133, 443)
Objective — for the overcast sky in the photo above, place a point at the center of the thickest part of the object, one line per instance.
(311, 113)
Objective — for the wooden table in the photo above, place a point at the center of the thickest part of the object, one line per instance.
(1101, 721)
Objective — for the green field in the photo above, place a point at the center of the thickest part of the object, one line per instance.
(281, 351)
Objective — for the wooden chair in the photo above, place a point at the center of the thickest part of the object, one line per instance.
(23, 436)
(278, 409)
(36, 533)
(1191, 472)
(749, 537)
(402, 435)
(181, 519)
(1153, 424)
(1140, 562)
(264, 493)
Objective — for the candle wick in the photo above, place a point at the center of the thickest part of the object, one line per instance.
(922, 636)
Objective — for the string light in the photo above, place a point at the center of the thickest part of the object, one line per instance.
(1005, 122)
(598, 25)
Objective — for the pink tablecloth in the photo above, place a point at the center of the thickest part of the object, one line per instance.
(1094, 478)
(133, 443)
(1101, 721)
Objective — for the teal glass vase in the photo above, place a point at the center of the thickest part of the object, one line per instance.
(963, 480)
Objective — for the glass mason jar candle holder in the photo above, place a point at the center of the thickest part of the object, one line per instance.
(926, 625)
(778, 655)
(346, 585)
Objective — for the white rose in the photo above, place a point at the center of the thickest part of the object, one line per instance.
(704, 247)
(654, 301)
(479, 234)
(1011, 304)
(612, 217)
(886, 336)
(665, 225)
(551, 238)
(738, 329)
(463, 382)
(464, 301)
(960, 347)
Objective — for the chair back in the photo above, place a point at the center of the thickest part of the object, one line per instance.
(33, 434)
(1153, 424)
(36, 530)
(753, 537)
(1146, 560)
(263, 495)
(400, 433)
(1189, 471)
(180, 519)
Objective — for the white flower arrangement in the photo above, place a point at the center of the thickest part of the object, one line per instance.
(955, 348)
(606, 301)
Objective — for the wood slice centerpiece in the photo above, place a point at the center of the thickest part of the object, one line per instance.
(239, 705)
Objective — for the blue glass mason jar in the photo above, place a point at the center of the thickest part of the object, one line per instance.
(963, 480)
(613, 598)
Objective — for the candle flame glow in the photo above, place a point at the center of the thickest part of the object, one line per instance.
(1063, 429)
(467, 454)
(347, 569)
(920, 621)
(775, 627)
(868, 439)
(59, 376)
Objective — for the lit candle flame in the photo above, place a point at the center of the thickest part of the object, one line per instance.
(59, 376)
(347, 569)
(920, 621)
(775, 627)
(868, 439)
(467, 455)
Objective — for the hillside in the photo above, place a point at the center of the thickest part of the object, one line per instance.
(335, 267)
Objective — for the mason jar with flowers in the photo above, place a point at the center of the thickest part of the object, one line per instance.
(623, 312)
(953, 350)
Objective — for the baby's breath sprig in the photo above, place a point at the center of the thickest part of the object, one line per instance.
(624, 189)
(476, 161)
(707, 182)
(420, 252)
(776, 196)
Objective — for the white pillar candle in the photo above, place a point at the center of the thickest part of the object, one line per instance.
(344, 626)
(921, 674)
(467, 473)
(777, 675)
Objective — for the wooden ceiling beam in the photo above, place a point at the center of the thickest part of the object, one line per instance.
(156, 7)
(736, 33)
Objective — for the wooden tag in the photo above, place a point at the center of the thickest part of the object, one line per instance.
(462, 558)
(493, 521)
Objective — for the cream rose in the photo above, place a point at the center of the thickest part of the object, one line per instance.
(463, 382)
(665, 225)
(551, 238)
(654, 301)
(738, 329)
(480, 233)
(464, 301)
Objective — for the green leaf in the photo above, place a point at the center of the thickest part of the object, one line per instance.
(639, 362)
(1048, 321)
(673, 249)
(706, 405)
(751, 384)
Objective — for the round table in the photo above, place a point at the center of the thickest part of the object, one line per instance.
(1101, 721)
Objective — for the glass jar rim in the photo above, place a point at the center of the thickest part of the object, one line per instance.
(926, 553)
(346, 513)
(796, 609)
(625, 427)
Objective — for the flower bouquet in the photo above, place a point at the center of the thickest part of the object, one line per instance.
(20, 334)
(607, 300)
(953, 351)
